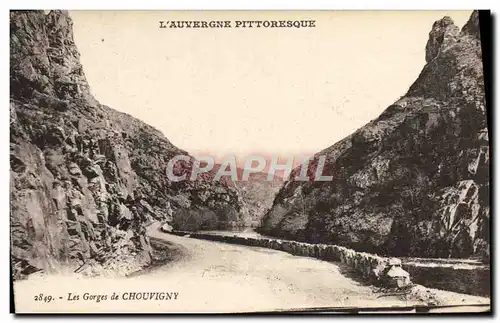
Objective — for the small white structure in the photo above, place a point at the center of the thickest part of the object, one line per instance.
(396, 275)
(166, 228)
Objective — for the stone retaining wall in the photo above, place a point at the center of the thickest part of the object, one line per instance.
(371, 267)
(472, 281)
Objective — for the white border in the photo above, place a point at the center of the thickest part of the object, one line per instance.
(255, 4)
(194, 5)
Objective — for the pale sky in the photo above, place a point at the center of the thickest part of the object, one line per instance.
(241, 91)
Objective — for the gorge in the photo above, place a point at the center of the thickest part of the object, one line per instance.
(86, 180)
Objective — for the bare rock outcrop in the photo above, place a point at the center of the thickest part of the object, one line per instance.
(414, 181)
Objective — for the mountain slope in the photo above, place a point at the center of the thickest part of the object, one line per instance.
(258, 194)
(414, 181)
(86, 179)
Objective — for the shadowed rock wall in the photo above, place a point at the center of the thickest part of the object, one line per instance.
(414, 181)
(86, 179)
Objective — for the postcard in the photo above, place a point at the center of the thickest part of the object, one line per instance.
(238, 162)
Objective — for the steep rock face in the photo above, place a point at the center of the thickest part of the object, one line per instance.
(86, 179)
(258, 194)
(414, 181)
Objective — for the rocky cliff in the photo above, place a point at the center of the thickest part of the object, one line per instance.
(414, 181)
(86, 179)
(258, 194)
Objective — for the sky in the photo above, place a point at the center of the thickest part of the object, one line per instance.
(279, 91)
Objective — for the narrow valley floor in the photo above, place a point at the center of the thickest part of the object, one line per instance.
(217, 277)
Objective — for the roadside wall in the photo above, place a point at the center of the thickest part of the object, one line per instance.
(472, 281)
(371, 267)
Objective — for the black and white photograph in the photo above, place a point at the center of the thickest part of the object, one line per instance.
(250, 161)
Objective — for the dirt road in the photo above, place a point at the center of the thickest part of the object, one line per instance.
(205, 276)
(246, 278)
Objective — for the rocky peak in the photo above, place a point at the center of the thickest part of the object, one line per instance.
(45, 63)
(414, 181)
(443, 34)
(472, 26)
(452, 69)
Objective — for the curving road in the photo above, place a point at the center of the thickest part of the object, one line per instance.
(243, 278)
(206, 277)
